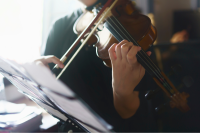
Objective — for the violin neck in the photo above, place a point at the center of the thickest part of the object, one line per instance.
(120, 33)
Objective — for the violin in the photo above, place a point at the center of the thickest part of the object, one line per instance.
(114, 21)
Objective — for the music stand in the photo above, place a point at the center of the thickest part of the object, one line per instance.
(40, 85)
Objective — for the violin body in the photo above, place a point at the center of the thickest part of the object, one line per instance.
(125, 23)
(138, 25)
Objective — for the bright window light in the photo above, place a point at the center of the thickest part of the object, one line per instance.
(20, 29)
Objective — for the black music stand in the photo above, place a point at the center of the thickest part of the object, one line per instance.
(40, 85)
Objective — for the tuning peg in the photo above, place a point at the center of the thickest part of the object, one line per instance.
(150, 94)
(162, 108)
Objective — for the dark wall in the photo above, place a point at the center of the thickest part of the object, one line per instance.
(187, 57)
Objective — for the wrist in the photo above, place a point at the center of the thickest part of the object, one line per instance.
(123, 95)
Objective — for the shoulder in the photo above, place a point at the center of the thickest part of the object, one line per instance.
(59, 29)
(67, 21)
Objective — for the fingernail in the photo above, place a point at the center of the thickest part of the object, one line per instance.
(139, 48)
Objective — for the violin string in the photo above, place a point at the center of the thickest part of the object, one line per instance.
(123, 38)
(148, 59)
(135, 42)
(158, 75)
(160, 78)
(145, 55)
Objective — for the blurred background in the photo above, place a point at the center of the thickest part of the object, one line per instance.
(25, 24)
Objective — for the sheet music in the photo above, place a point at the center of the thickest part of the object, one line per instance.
(50, 110)
(12, 67)
(45, 78)
(19, 78)
(42, 87)
(73, 107)
(21, 87)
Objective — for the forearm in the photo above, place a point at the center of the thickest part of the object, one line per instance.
(126, 75)
(127, 105)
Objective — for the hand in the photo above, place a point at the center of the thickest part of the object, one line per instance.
(179, 101)
(179, 37)
(126, 71)
(126, 75)
(45, 60)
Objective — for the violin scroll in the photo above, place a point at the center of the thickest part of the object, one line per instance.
(179, 101)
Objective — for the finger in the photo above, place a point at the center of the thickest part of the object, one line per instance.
(112, 52)
(124, 50)
(131, 56)
(148, 53)
(55, 60)
(123, 42)
(39, 63)
(118, 49)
